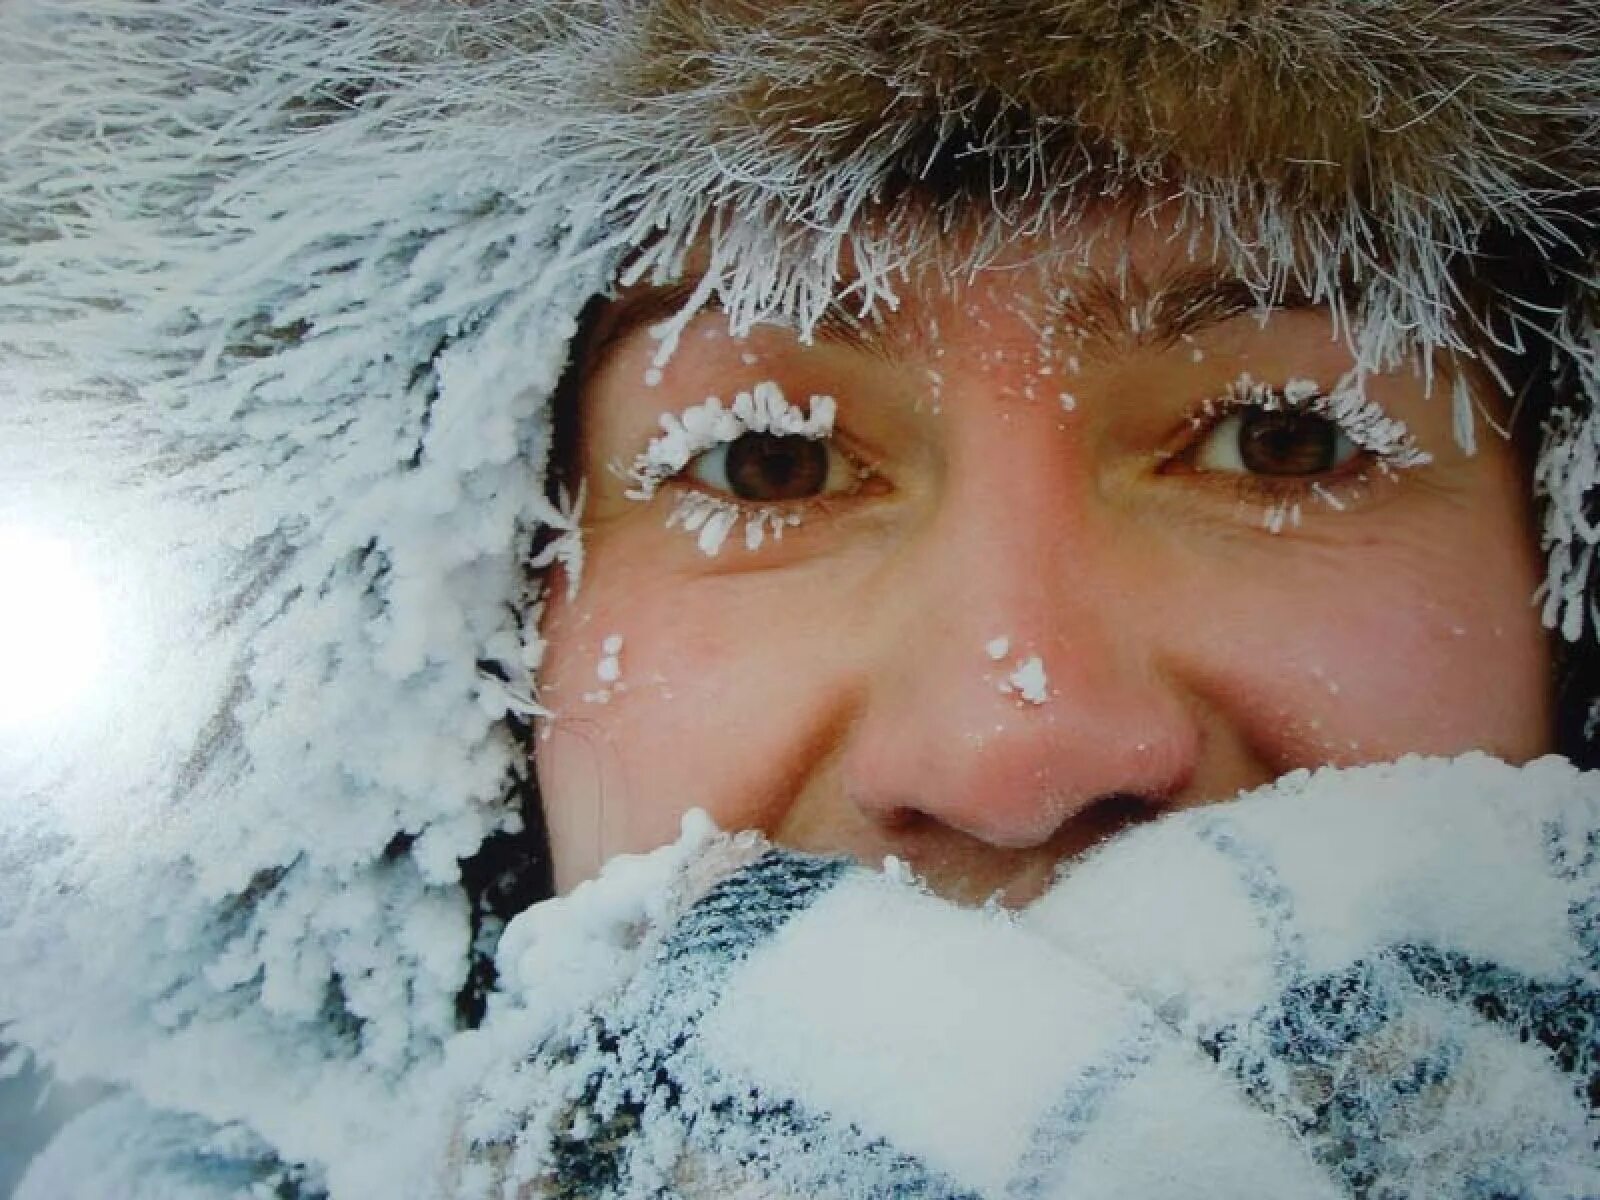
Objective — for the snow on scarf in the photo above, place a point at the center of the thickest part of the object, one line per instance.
(1375, 982)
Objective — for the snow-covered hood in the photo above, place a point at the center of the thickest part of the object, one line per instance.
(286, 291)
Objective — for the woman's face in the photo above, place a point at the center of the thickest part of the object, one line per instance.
(1069, 552)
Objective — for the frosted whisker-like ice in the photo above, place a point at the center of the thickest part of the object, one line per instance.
(713, 519)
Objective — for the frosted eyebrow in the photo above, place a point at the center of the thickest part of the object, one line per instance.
(1146, 312)
(647, 306)
(1165, 310)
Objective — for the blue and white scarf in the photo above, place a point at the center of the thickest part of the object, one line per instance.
(1372, 983)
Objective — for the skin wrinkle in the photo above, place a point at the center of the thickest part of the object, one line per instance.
(824, 690)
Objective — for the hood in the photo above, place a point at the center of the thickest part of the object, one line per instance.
(286, 292)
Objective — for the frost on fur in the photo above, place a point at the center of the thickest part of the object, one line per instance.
(286, 291)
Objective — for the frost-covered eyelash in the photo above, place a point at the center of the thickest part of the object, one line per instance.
(713, 518)
(1360, 419)
(704, 426)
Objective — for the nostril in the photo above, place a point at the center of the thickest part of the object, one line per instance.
(1100, 820)
(1107, 816)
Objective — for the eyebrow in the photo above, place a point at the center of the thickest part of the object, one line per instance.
(1168, 310)
(648, 306)
(1095, 305)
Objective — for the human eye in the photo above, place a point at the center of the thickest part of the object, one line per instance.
(1277, 443)
(760, 461)
(773, 468)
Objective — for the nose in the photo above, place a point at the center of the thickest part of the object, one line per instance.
(1027, 689)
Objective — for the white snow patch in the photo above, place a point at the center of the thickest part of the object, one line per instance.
(998, 648)
(565, 951)
(897, 870)
(609, 669)
(1029, 680)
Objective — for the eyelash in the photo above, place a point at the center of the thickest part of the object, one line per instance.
(705, 426)
(1381, 440)
(712, 515)
(1358, 418)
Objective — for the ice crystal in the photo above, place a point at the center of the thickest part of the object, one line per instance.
(1028, 680)
(762, 409)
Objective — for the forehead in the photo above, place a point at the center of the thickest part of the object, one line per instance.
(1116, 276)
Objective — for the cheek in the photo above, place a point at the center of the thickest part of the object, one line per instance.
(1402, 649)
(592, 757)
(700, 714)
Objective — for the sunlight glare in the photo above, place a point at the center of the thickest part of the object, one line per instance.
(52, 627)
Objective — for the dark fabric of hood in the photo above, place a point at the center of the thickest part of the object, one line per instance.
(286, 294)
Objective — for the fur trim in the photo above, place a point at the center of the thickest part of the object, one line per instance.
(1479, 107)
(286, 289)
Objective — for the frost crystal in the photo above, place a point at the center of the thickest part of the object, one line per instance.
(1327, 497)
(708, 516)
(567, 549)
(609, 669)
(1462, 413)
(1029, 680)
(703, 426)
(713, 518)
(1347, 405)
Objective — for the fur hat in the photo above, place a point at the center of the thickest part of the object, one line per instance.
(286, 291)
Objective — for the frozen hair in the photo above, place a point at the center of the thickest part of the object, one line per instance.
(286, 291)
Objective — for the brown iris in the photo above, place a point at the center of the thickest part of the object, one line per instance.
(772, 468)
(1289, 443)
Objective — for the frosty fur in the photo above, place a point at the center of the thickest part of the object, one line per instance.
(286, 290)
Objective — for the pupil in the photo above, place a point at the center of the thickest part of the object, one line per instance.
(769, 467)
(1287, 443)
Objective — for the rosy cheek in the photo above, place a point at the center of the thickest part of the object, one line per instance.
(1374, 681)
(613, 769)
